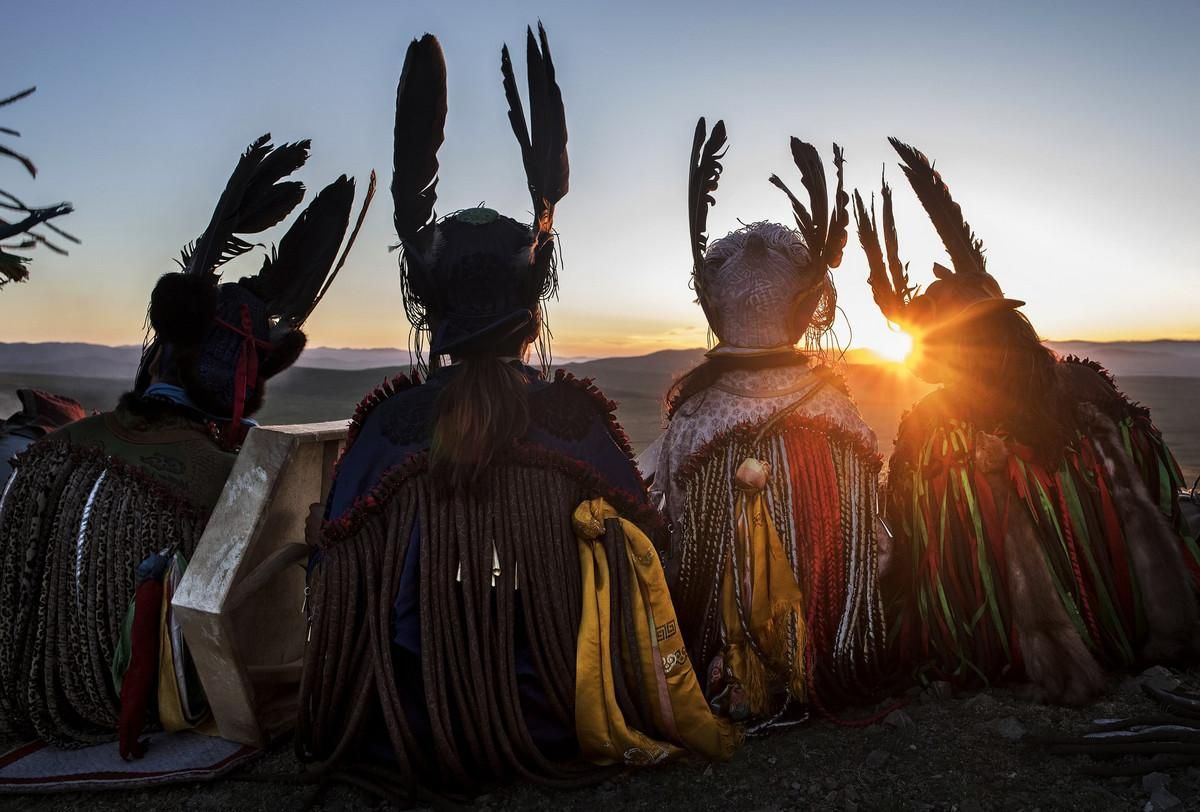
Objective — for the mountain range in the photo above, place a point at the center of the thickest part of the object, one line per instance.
(327, 383)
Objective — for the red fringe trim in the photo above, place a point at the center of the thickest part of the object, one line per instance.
(376, 396)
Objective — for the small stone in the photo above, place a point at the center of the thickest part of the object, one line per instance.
(937, 691)
(771, 760)
(1010, 729)
(708, 771)
(1159, 677)
(1161, 801)
(899, 719)
(875, 759)
(982, 704)
(797, 786)
(1155, 781)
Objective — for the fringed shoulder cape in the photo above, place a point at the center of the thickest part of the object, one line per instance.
(948, 600)
(777, 585)
(86, 505)
(453, 634)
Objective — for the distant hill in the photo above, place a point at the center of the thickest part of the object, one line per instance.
(1165, 358)
(1163, 374)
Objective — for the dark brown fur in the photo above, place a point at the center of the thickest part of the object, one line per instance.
(1057, 662)
(1172, 617)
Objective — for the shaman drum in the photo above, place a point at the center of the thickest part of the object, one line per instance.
(241, 601)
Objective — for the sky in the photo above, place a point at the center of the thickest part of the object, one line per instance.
(1067, 132)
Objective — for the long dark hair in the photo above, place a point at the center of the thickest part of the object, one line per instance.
(1007, 378)
(482, 409)
(706, 373)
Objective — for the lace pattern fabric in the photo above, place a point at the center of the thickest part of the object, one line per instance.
(741, 397)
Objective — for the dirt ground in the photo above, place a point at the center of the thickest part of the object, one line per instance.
(942, 752)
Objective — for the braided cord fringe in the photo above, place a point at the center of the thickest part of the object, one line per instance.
(517, 522)
(74, 527)
(820, 497)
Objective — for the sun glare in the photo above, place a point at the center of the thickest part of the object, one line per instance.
(894, 345)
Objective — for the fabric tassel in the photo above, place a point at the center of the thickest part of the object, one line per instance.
(138, 683)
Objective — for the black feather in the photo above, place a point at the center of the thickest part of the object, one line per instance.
(253, 201)
(898, 269)
(868, 237)
(812, 175)
(420, 130)
(543, 142)
(362, 215)
(804, 220)
(704, 174)
(964, 248)
(293, 275)
(839, 219)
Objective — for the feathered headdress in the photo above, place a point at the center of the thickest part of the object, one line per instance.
(965, 292)
(475, 276)
(760, 317)
(224, 340)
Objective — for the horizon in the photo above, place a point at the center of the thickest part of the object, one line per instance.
(1070, 172)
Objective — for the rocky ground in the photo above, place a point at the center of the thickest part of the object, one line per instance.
(941, 752)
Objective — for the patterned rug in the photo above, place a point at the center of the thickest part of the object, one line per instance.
(171, 758)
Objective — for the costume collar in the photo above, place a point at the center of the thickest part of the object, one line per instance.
(176, 394)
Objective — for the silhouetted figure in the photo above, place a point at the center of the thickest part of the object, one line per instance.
(486, 604)
(1074, 471)
(119, 500)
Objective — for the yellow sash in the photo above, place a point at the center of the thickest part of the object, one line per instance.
(771, 601)
(672, 691)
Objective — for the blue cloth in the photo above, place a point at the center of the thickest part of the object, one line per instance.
(176, 394)
(11, 444)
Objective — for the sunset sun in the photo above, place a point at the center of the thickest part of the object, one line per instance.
(894, 345)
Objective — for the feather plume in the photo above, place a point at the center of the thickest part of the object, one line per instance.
(890, 302)
(964, 248)
(420, 130)
(254, 200)
(889, 298)
(362, 215)
(543, 142)
(704, 174)
(812, 175)
(293, 275)
(898, 269)
(839, 219)
(804, 220)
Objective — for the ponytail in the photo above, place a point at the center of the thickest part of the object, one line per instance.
(482, 409)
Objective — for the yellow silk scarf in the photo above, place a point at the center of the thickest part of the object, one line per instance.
(771, 599)
(672, 691)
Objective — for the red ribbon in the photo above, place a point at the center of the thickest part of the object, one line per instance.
(246, 375)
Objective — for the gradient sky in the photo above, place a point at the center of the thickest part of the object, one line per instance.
(1067, 131)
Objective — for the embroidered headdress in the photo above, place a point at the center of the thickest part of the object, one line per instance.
(765, 286)
(223, 341)
(475, 277)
